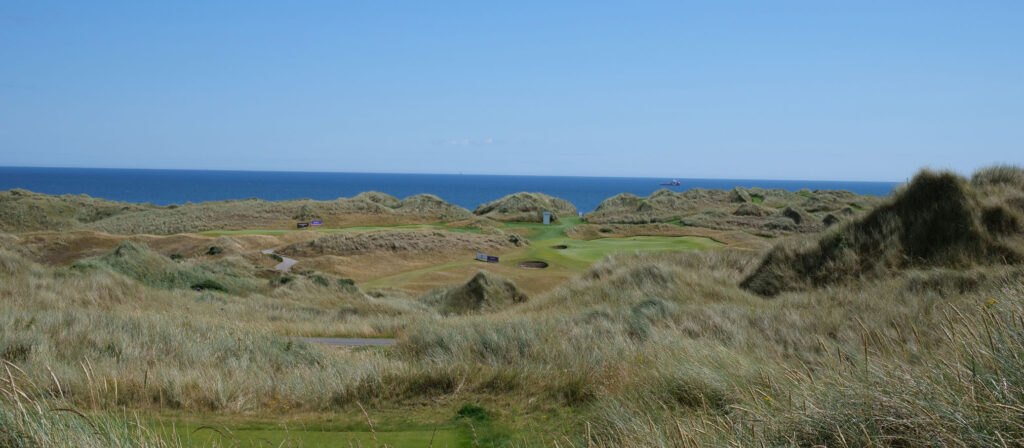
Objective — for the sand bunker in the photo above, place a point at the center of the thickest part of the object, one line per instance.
(532, 264)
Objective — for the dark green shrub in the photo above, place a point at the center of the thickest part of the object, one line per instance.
(320, 280)
(214, 250)
(282, 280)
(208, 284)
(473, 412)
(177, 257)
(346, 282)
(16, 352)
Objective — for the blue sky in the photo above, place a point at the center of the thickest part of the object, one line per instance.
(772, 90)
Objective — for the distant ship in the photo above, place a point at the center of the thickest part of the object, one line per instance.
(673, 183)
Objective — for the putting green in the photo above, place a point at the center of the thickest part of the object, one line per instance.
(580, 254)
(588, 252)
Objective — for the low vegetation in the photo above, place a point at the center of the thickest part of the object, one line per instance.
(526, 207)
(21, 211)
(764, 212)
(939, 219)
(485, 292)
(901, 326)
(398, 241)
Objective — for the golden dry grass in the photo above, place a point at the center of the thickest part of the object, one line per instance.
(656, 349)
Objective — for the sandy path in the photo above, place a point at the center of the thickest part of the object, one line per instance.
(285, 264)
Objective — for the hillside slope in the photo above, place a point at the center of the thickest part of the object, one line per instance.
(938, 220)
(763, 211)
(526, 207)
(22, 211)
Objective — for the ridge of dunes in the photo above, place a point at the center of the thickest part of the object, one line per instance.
(938, 220)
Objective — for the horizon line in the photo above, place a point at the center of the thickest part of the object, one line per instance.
(449, 174)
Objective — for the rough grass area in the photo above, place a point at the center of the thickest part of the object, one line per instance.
(745, 209)
(526, 207)
(23, 211)
(397, 241)
(483, 292)
(939, 219)
(141, 263)
(640, 349)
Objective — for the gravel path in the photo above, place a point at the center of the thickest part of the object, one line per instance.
(285, 264)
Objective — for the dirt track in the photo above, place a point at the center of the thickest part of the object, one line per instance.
(286, 263)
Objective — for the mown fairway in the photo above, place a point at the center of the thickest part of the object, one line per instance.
(580, 254)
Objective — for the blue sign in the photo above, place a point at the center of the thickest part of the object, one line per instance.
(487, 258)
(316, 223)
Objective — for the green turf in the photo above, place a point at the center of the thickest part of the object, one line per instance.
(580, 254)
(266, 434)
(757, 199)
(594, 250)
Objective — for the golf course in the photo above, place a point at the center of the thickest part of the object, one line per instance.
(680, 319)
(564, 256)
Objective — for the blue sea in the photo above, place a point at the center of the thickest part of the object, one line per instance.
(163, 187)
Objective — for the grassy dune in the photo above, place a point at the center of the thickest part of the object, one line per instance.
(764, 212)
(526, 207)
(916, 338)
(938, 219)
(22, 210)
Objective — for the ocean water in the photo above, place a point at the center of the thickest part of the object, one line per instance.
(163, 187)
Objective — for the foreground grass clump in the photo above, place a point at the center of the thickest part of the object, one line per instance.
(967, 390)
(31, 417)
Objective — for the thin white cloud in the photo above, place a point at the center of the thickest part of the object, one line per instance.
(468, 142)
